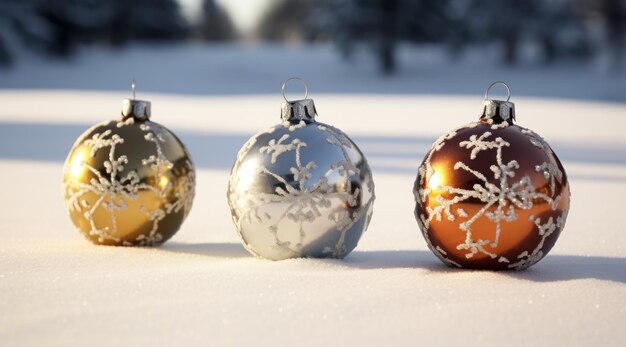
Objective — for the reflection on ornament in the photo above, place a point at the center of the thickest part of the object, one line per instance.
(78, 164)
(435, 181)
(491, 194)
(300, 189)
(128, 181)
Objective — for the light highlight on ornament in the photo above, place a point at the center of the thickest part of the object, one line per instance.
(247, 174)
(163, 182)
(435, 181)
(78, 165)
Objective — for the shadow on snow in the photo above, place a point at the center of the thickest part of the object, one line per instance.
(550, 269)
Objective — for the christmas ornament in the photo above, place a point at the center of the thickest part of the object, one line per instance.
(301, 188)
(491, 194)
(128, 181)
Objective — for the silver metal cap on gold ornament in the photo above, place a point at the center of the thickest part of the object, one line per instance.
(138, 109)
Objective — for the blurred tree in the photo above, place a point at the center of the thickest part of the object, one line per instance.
(561, 31)
(505, 22)
(381, 25)
(552, 25)
(613, 14)
(287, 20)
(461, 30)
(21, 24)
(215, 24)
(57, 26)
(152, 20)
(70, 22)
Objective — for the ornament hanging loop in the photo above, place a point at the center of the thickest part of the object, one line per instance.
(508, 90)
(296, 110)
(498, 111)
(306, 87)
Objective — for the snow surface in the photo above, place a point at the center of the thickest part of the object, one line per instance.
(203, 288)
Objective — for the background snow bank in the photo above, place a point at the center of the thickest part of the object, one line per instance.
(260, 69)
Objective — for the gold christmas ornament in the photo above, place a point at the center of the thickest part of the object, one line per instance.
(129, 181)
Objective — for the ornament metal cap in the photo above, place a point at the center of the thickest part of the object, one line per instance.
(138, 109)
(303, 109)
(498, 110)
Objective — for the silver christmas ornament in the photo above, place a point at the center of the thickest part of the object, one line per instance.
(301, 188)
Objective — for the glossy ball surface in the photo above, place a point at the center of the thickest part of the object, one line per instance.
(491, 196)
(128, 183)
(300, 189)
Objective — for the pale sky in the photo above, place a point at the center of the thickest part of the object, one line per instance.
(244, 13)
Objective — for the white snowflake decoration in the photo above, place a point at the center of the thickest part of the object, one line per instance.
(115, 192)
(305, 201)
(501, 201)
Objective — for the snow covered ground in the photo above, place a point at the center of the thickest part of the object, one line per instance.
(203, 288)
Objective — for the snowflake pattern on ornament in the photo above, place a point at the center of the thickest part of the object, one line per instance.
(305, 200)
(114, 192)
(501, 201)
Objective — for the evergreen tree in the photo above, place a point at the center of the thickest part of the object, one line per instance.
(143, 20)
(614, 14)
(544, 23)
(287, 20)
(71, 22)
(505, 22)
(215, 24)
(381, 25)
(57, 26)
(21, 25)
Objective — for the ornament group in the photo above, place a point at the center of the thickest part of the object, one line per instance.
(489, 195)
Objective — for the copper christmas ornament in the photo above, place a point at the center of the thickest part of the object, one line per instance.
(491, 194)
(128, 181)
